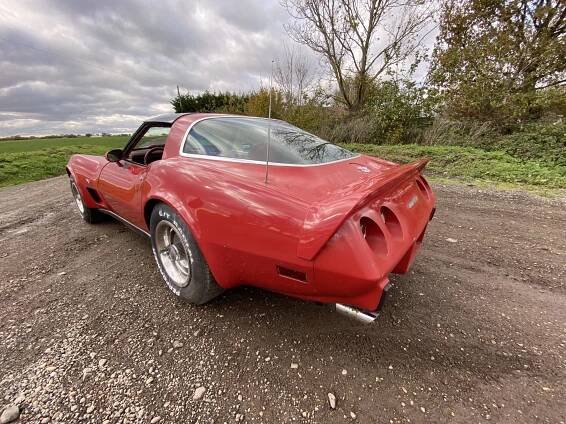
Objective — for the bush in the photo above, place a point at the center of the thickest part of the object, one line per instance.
(541, 141)
(544, 141)
(459, 133)
(353, 129)
(210, 102)
(397, 112)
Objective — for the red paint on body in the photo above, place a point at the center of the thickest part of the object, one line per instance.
(306, 218)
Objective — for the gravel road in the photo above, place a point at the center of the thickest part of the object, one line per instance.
(476, 331)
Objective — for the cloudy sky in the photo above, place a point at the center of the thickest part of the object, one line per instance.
(104, 65)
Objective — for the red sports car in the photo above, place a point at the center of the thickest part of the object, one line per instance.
(232, 200)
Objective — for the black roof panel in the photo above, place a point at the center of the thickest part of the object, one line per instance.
(166, 118)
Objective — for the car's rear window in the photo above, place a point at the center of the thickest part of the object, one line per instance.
(246, 139)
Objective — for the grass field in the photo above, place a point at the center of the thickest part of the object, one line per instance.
(30, 160)
(33, 145)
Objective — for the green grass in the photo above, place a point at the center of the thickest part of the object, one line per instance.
(24, 146)
(22, 161)
(469, 164)
(30, 160)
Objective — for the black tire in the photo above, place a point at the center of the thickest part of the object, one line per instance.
(92, 216)
(199, 286)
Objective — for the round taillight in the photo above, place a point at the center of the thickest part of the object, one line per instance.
(391, 222)
(374, 236)
(423, 186)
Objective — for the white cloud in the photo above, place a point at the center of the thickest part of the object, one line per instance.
(105, 65)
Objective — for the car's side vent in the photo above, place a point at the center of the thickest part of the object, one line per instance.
(94, 194)
(292, 273)
(374, 236)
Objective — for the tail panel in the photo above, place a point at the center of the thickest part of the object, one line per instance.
(324, 219)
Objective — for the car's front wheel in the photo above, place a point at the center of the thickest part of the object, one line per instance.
(179, 258)
(89, 215)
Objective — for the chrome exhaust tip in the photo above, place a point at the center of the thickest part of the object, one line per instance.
(365, 317)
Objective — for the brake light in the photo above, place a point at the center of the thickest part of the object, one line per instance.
(423, 187)
(373, 235)
(392, 222)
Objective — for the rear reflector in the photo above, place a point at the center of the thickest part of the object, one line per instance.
(292, 273)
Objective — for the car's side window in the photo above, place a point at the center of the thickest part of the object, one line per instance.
(153, 140)
(245, 139)
(233, 138)
(211, 139)
(154, 136)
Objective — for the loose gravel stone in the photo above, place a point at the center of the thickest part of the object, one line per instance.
(11, 413)
(20, 399)
(199, 393)
(332, 400)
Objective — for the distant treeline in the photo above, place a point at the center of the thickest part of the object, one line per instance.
(42, 137)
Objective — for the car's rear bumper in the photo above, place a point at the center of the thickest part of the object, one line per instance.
(352, 271)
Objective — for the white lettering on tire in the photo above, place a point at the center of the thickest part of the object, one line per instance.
(172, 219)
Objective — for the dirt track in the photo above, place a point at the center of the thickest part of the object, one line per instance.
(475, 332)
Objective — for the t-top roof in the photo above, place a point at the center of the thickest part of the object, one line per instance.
(166, 118)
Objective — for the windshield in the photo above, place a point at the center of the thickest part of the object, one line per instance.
(246, 139)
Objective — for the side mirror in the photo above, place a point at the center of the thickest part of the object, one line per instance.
(114, 155)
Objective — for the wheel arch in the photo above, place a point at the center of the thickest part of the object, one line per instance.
(176, 205)
(188, 216)
(79, 183)
(148, 209)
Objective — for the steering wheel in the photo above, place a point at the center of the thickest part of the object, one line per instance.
(148, 154)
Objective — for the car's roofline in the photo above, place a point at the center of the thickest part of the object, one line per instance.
(166, 118)
(170, 118)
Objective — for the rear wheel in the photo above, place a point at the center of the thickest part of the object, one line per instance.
(89, 215)
(179, 258)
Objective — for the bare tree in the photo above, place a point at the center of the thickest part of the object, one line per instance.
(359, 39)
(294, 74)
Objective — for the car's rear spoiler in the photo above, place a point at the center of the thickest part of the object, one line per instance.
(326, 217)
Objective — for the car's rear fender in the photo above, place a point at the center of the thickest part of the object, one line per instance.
(223, 275)
(184, 193)
(245, 230)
